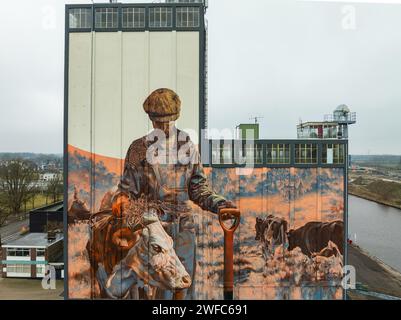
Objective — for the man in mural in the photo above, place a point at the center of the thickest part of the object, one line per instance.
(165, 166)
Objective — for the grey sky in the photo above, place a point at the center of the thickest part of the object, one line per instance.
(283, 60)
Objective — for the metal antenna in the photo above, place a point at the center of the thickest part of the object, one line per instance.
(256, 119)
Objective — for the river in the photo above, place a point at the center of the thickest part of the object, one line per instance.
(376, 229)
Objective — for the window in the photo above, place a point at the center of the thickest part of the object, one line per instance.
(330, 132)
(313, 132)
(253, 153)
(17, 252)
(80, 18)
(305, 153)
(278, 154)
(19, 268)
(160, 17)
(106, 18)
(333, 154)
(133, 17)
(222, 153)
(40, 252)
(187, 17)
(40, 269)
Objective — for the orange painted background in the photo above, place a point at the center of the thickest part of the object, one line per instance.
(298, 196)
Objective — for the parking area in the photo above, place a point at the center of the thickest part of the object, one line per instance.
(29, 289)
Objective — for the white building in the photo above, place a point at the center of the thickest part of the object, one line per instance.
(28, 256)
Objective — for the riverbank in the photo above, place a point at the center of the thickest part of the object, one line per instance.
(384, 192)
(371, 197)
(373, 276)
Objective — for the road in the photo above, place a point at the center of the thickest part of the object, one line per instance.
(374, 276)
(11, 231)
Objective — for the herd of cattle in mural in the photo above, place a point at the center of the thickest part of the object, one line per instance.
(290, 243)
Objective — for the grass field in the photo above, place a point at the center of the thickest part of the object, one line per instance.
(29, 289)
(40, 201)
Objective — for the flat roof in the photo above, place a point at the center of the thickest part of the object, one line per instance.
(55, 207)
(314, 123)
(33, 240)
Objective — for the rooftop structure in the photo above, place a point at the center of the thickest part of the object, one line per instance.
(46, 218)
(248, 131)
(334, 126)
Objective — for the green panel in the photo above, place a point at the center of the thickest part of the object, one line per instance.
(244, 128)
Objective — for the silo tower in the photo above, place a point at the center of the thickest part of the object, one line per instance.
(344, 117)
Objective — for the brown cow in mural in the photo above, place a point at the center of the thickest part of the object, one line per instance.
(314, 237)
(272, 232)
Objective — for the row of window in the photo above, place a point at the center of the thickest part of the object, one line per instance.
(132, 18)
(318, 132)
(26, 268)
(19, 268)
(23, 252)
(18, 252)
(277, 154)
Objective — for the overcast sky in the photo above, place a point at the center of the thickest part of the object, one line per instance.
(285, 60)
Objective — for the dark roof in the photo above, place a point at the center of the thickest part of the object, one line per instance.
(55, 207)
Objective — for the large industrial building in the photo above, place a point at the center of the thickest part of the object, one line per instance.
(117, 54)
(289, 191)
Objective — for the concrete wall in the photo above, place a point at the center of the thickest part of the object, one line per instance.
(110, 76)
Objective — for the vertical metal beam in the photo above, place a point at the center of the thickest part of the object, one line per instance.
(65, 160)
(346, 211)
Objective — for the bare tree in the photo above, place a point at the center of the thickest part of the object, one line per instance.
(55, 188)
(18, 180)
(4, 214)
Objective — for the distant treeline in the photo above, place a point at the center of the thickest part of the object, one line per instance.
(28, 156)
(389, 161)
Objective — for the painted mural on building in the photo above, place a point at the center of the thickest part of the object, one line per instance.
(140, 230)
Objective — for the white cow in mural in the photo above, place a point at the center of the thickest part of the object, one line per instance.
(129, 249)
(151, 262)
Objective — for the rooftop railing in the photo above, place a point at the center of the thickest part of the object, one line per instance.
(347, 118)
